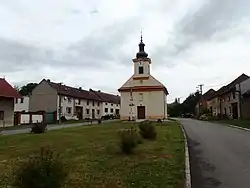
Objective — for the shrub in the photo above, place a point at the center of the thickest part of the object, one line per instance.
(147, 130)
(159, 121)
(44, 171)
(63, 119)
(99, 121)
(203, 117)
(38, 128)
(129, 139)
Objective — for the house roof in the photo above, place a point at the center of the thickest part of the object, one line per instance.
(232, 84)
(106, 97)
(208, 94)
(84, 94)
(6, 90)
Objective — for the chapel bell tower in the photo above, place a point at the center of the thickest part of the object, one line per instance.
(141, 62)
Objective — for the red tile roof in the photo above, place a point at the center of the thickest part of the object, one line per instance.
(6, 90)
(84, 94)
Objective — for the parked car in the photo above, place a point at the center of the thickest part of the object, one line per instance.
(187, 115)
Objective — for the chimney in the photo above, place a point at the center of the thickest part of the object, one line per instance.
(99, 90)
(48, 80)
(90, 89)
(80, 88)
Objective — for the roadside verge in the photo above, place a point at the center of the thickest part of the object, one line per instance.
(187, 161)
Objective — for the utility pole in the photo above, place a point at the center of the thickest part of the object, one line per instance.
(200, 87)
(200, 91)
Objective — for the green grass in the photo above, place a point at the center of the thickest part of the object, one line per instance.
(236, 122)
(94, 160)
(72, 121)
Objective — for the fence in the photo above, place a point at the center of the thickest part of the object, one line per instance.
(21, 118)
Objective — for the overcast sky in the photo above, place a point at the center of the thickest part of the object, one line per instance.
(92, 43)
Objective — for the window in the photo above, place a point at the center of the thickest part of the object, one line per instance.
(117, 105)
(87, 102)
(234, 95)
(117, 112)
(21, 100)
(106, 103)
(87, 111)
(225, 111)
(98, 112)
(230, 110)
(111, 104)
(98, 104)
(140, 70)
(140, 96)
(68, 110)
(79, 101)
(106, 110)
(111, 110)
(69, 99)
(93, 103)
(1, 115)
(16, 100)
(228, 98)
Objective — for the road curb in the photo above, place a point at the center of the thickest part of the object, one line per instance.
(241, 128)
(187, 161)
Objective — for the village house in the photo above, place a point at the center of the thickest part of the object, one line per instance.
(72, 103)
(7, 96)
(22, 104)
(203, 102)
(142, 96)
(227, 100)
(244, 90)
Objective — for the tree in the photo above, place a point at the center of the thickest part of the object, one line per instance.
(190, 102)
(188, 106)
(27, 89)
(16, 87)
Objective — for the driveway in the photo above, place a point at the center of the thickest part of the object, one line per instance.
(219, 155)
(49, 127)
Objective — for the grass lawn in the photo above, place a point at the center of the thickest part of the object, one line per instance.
(92, 156)
(236, 122)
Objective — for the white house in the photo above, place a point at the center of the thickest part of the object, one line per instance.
(142, 96)
(70, 102)
(22, 104)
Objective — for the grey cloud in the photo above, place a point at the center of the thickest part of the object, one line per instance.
(104, 45)
(196, 27)
(15, 55)
(214, 16)
(93, 51)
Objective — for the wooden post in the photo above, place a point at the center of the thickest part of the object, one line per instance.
(30, 119)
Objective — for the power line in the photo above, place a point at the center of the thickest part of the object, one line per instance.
(218, 85)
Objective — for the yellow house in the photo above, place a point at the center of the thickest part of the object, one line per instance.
(143, 96)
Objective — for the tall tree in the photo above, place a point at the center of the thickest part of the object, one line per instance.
(27, 89)
(188, 105)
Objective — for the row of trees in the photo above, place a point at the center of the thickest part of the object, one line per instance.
(26, 89)
(187, 106)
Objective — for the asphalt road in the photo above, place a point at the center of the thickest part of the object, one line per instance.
(219, 155)
(49, 127)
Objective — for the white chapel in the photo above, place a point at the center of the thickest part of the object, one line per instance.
(142, 96)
